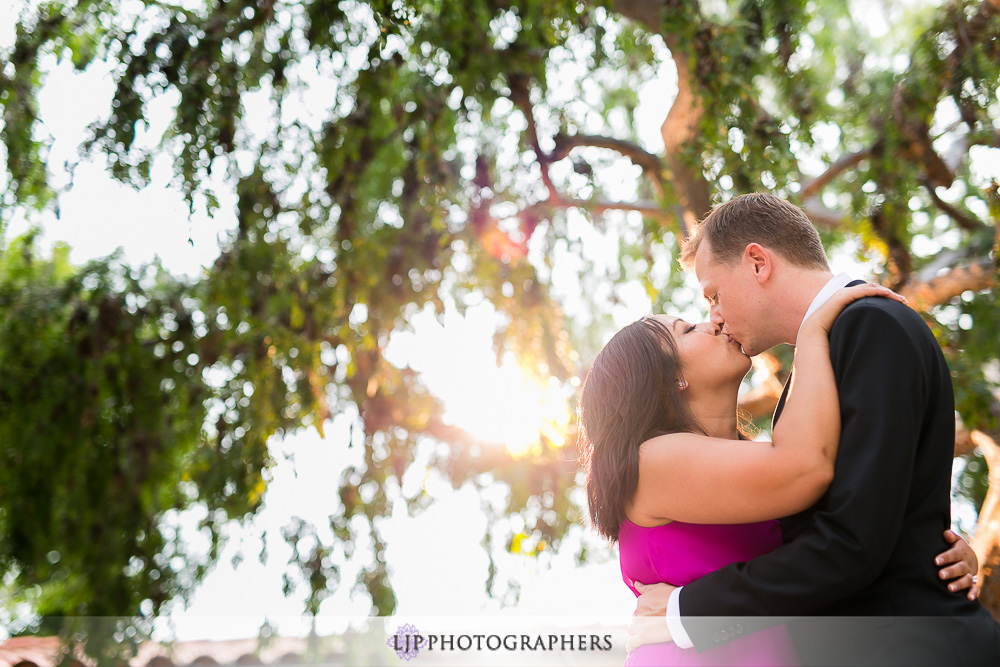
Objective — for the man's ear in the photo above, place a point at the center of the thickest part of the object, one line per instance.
(758, 259)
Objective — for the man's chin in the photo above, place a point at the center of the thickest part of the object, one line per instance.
(743, 350)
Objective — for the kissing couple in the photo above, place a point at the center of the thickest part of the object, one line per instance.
(830, 544)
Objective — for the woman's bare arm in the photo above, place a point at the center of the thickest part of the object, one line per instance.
(698, 479)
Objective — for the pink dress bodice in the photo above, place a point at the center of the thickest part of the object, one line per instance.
(678, 553)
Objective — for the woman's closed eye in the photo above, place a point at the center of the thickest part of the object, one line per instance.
(690, 328)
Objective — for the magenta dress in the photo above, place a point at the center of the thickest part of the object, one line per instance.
(678, 553)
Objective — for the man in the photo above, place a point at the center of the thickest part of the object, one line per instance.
(867, 548)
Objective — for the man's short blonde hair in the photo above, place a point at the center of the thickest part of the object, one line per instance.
(756, 218)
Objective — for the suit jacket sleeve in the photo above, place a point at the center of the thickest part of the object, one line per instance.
(882, 384)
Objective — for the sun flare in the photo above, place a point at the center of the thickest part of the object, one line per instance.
(503, 403)
(508, 406)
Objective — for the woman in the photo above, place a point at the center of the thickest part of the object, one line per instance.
(673, 477)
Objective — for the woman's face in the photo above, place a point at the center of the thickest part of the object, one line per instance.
(707, 357)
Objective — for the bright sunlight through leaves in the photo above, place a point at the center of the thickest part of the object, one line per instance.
(505, 404)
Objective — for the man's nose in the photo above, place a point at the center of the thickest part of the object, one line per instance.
(715, 317)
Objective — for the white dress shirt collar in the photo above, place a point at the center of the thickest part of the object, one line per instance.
(834, 284)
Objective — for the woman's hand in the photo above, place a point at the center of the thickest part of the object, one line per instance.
(822, 320)
(959, 563)
(646, 630)
(649, 622)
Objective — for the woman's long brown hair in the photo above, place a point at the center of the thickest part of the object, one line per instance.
(631, 394)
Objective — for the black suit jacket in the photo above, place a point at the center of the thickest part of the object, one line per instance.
(867, 548)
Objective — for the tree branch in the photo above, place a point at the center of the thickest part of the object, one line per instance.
(651, 209)
(974, 29)
(650, 163)
(942, 260)
(813, 187)
(564, 143)
(977, 276)
(985, 138)
(898, 259)
(912, 125)
(822, 216)
(964, 221)
(648, 208)
(938, 171)
(646, 12)
(680, 128)
(921, 296)
(519, 95)
(918, 145)
(639, 156)
(986, 543)
(761, 401)
(456, 435)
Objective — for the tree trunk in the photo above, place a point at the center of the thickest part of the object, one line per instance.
(986, 544)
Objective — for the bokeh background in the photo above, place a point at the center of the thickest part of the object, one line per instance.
(296, 298)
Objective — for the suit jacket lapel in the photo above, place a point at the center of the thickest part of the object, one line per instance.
(788, 382)
(787, 523)
(781, 401)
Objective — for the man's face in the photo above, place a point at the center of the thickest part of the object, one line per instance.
(733, 299)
